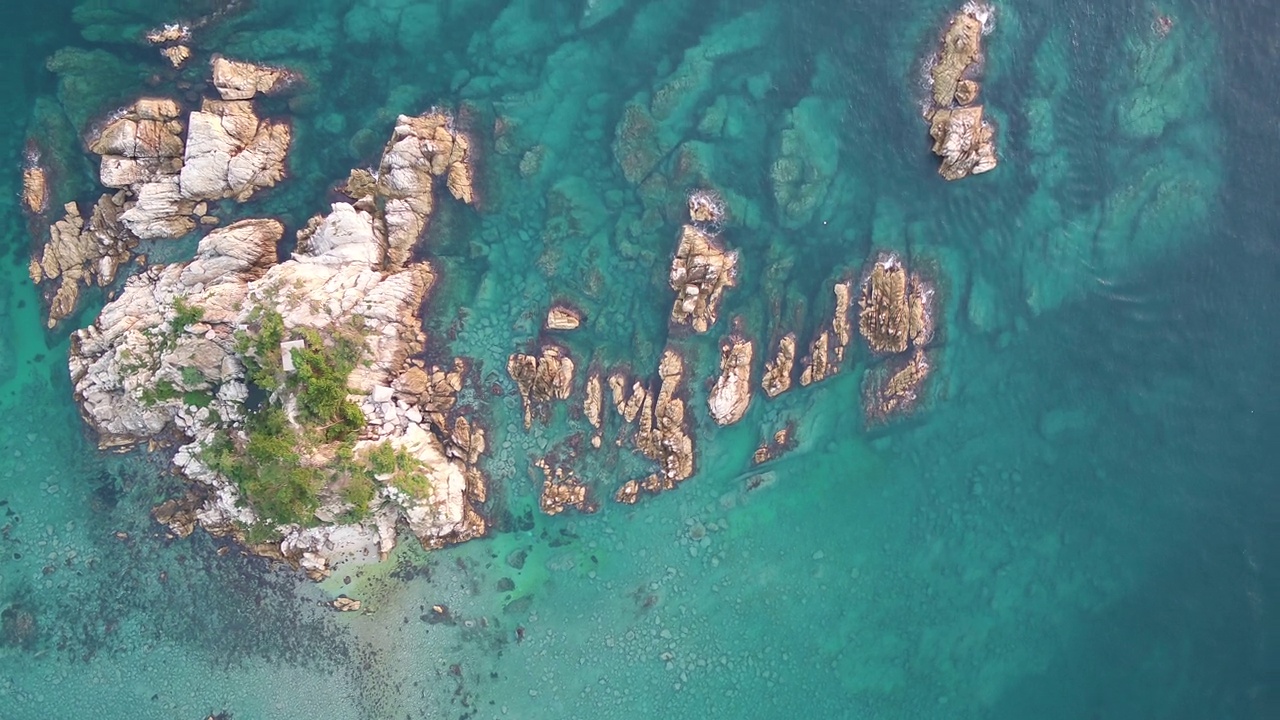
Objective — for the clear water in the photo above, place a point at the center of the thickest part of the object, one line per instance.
(1081, 523)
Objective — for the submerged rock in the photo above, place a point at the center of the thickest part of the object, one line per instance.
(561, 491)
(731, 393)
(237, 80)
(700, 273)
(35, 188)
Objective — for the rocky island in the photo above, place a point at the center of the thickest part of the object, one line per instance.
(310, 427)
(962, 137)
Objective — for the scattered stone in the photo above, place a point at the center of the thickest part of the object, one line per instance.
(561, 490)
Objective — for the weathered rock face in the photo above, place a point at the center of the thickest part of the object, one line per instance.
(132, 347)
(895, 307)
(962, 137)
(401, 193)
(541, 379)
(82, 252)
(883, 317)
(895, 389)
(335, 280)
(563, 317)
(593, 405)
(35, 189)
(237, 80)
(732, 391)
(661, 435)
(777, 372)
(142, 152)
(700, 273)
(231, 153)
(961, 49)
(964, 140)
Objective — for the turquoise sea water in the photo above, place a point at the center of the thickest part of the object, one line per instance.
(1080, 522)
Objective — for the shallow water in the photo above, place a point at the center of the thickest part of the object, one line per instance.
(1079, 523)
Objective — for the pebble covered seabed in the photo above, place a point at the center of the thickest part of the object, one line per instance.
(1078, 521)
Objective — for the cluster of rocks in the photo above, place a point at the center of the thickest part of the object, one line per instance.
(166, 172)
(661, 434)
(400, 191)
(773, 447)
(82, 252)
(173, 41)
(962, 136)
(700, 272)
(541, 378)
(562, 490)
(826, 353)
(896, 317)
(342, 278)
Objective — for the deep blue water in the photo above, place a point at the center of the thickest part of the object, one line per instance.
(1080, 522)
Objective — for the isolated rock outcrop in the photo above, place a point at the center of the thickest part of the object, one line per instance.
(961, 136)
(541, 378)
(731, 393)
(777, 372)
(700, 273)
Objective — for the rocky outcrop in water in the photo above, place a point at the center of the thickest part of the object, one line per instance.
(364, 438)
(700, 273)
(896, 317)
(237, 80)
(142, 152)
(231, 153)
(661, 434)
(82, 253)
(563, 317)
(731, 393)
(895, 308)
(777, 372)
(962, 137)
(541, 378)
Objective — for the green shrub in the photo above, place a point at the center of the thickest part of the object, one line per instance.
(192, 377)
(184, 315)
(359, 491)
(163, 390)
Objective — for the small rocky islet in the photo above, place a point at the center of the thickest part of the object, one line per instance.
(297, 390)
